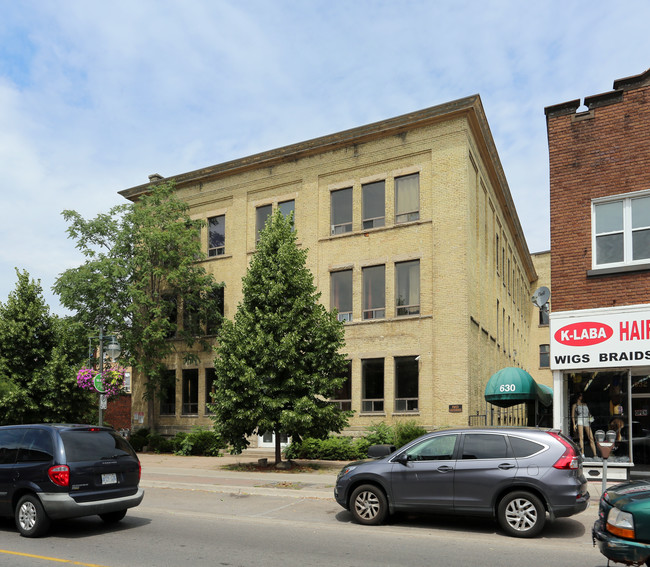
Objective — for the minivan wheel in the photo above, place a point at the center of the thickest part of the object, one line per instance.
(521, 514)
(31, 519)
(113, 517)
(368, 505)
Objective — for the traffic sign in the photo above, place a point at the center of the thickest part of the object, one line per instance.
(98, 383)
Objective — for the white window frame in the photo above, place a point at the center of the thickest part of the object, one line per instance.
(626, 199)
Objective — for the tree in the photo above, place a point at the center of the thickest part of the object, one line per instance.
(141, 270)
(278, 363)
(38, 356)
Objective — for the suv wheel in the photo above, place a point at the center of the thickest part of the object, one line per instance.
(368, 505)
(113, 517)
(521, 514)
(31, 519)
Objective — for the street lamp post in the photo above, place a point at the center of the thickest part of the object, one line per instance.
(113, 351)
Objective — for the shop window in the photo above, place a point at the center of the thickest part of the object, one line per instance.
(168, 393)
(621, 232)
(372, 385)
(407, 295)
(341, 294)
(374, 204)
(216, 236)
(190, 391)
(407, 198)
(544, 356)
(341, 211)
(343, 396)
(374, 292)
(261, 216)
(406, 383)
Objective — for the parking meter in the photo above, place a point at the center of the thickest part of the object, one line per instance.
(605, 442)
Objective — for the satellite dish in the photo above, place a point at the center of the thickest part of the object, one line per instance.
(541, 296)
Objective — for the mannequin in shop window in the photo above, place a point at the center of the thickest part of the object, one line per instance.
(581, 423)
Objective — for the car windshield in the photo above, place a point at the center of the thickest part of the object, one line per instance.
(87, 445)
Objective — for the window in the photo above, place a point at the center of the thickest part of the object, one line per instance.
(523, 448)
(372, 378)
(341, 210)
(341, 294)
(440, 448)
(485, 446)
(543, 316)
(621, 232)
(209, 388)
(407, 198)
(374, 292)
(170, 314)
(217, 236)
(10, 442)
(36, 446)
(406, 383)
(374, 204)
(168, 393)
(261, 215)
(213, 320)
(407, 294)
(190, 391)
(343, 396)
(191, 317)
(287, 207)
(544, 356)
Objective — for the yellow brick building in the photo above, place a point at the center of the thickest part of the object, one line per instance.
(412, 234)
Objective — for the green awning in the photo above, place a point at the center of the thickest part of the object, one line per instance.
(511, 386)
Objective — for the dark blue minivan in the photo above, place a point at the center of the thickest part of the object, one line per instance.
(51, 472)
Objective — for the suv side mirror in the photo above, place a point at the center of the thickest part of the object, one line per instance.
(402, 458)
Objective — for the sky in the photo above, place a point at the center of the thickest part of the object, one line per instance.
(97, 95)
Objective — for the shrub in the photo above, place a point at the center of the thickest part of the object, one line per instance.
(200, 442)
(159, 444)
(139, 438)
(405, 432)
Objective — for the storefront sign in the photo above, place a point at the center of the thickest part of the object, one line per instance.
(600, 338)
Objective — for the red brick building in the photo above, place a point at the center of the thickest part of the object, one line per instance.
(600, 268)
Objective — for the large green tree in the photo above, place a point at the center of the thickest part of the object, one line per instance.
(39, 355)
(141, 272)
(279, 362)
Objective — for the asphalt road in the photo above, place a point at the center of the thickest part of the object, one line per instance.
(196, 527)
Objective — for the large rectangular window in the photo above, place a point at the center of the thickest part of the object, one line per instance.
(217, 235)
(406, 383)
(213, 320)
(287, 207)
(374, 292)
(343, 396)
(341, 210)
(372, 387)
(407, 281)
(374, 204)
(168, 393)
(261, 215)
(407, 198)
(190, 391)
(341, 294)
(621, 232)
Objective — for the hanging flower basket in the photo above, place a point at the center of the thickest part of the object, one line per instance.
(112, 380)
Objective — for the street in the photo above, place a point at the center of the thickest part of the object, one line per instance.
(200, 528)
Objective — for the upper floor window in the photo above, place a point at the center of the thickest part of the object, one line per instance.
(341, 210)
(407, 280)
(544, 356)
(341, 294)
(287, 207)
(261, 215)
(217, 236)
(621, 232)
(374, 204)
(407, 198)
(374, 292)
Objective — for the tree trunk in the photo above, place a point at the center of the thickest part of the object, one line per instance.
(278, 448)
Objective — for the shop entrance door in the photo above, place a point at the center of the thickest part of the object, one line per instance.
(640, 434)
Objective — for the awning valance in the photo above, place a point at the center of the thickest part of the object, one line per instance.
(511, 386)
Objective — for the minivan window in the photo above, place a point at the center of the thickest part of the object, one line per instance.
(485, 446)
(36, 446)
(524, 448)
(86, 445)
(10, 440)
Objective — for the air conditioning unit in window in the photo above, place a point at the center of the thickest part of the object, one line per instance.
(345, 317)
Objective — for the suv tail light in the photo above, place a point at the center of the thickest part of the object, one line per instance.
(569, 459)
(59, 475)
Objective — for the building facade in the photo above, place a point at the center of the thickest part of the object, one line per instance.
(600, 242)
(412, 236)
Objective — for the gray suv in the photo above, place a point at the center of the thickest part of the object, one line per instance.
(517, 475)
(52, 472)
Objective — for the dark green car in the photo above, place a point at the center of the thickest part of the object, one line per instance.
(622, 530)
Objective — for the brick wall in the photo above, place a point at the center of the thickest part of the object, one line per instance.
(118, 412)
(604, 151)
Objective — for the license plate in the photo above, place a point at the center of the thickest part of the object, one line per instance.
(110, 478)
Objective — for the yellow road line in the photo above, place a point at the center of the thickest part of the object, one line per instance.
(44, 558)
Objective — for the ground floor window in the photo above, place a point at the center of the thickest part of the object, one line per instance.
(372, 385)
(343, 396)
(168, 393)
(190, 391)
(406, 383)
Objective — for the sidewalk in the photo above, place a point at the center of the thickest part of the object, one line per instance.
(211, 474)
